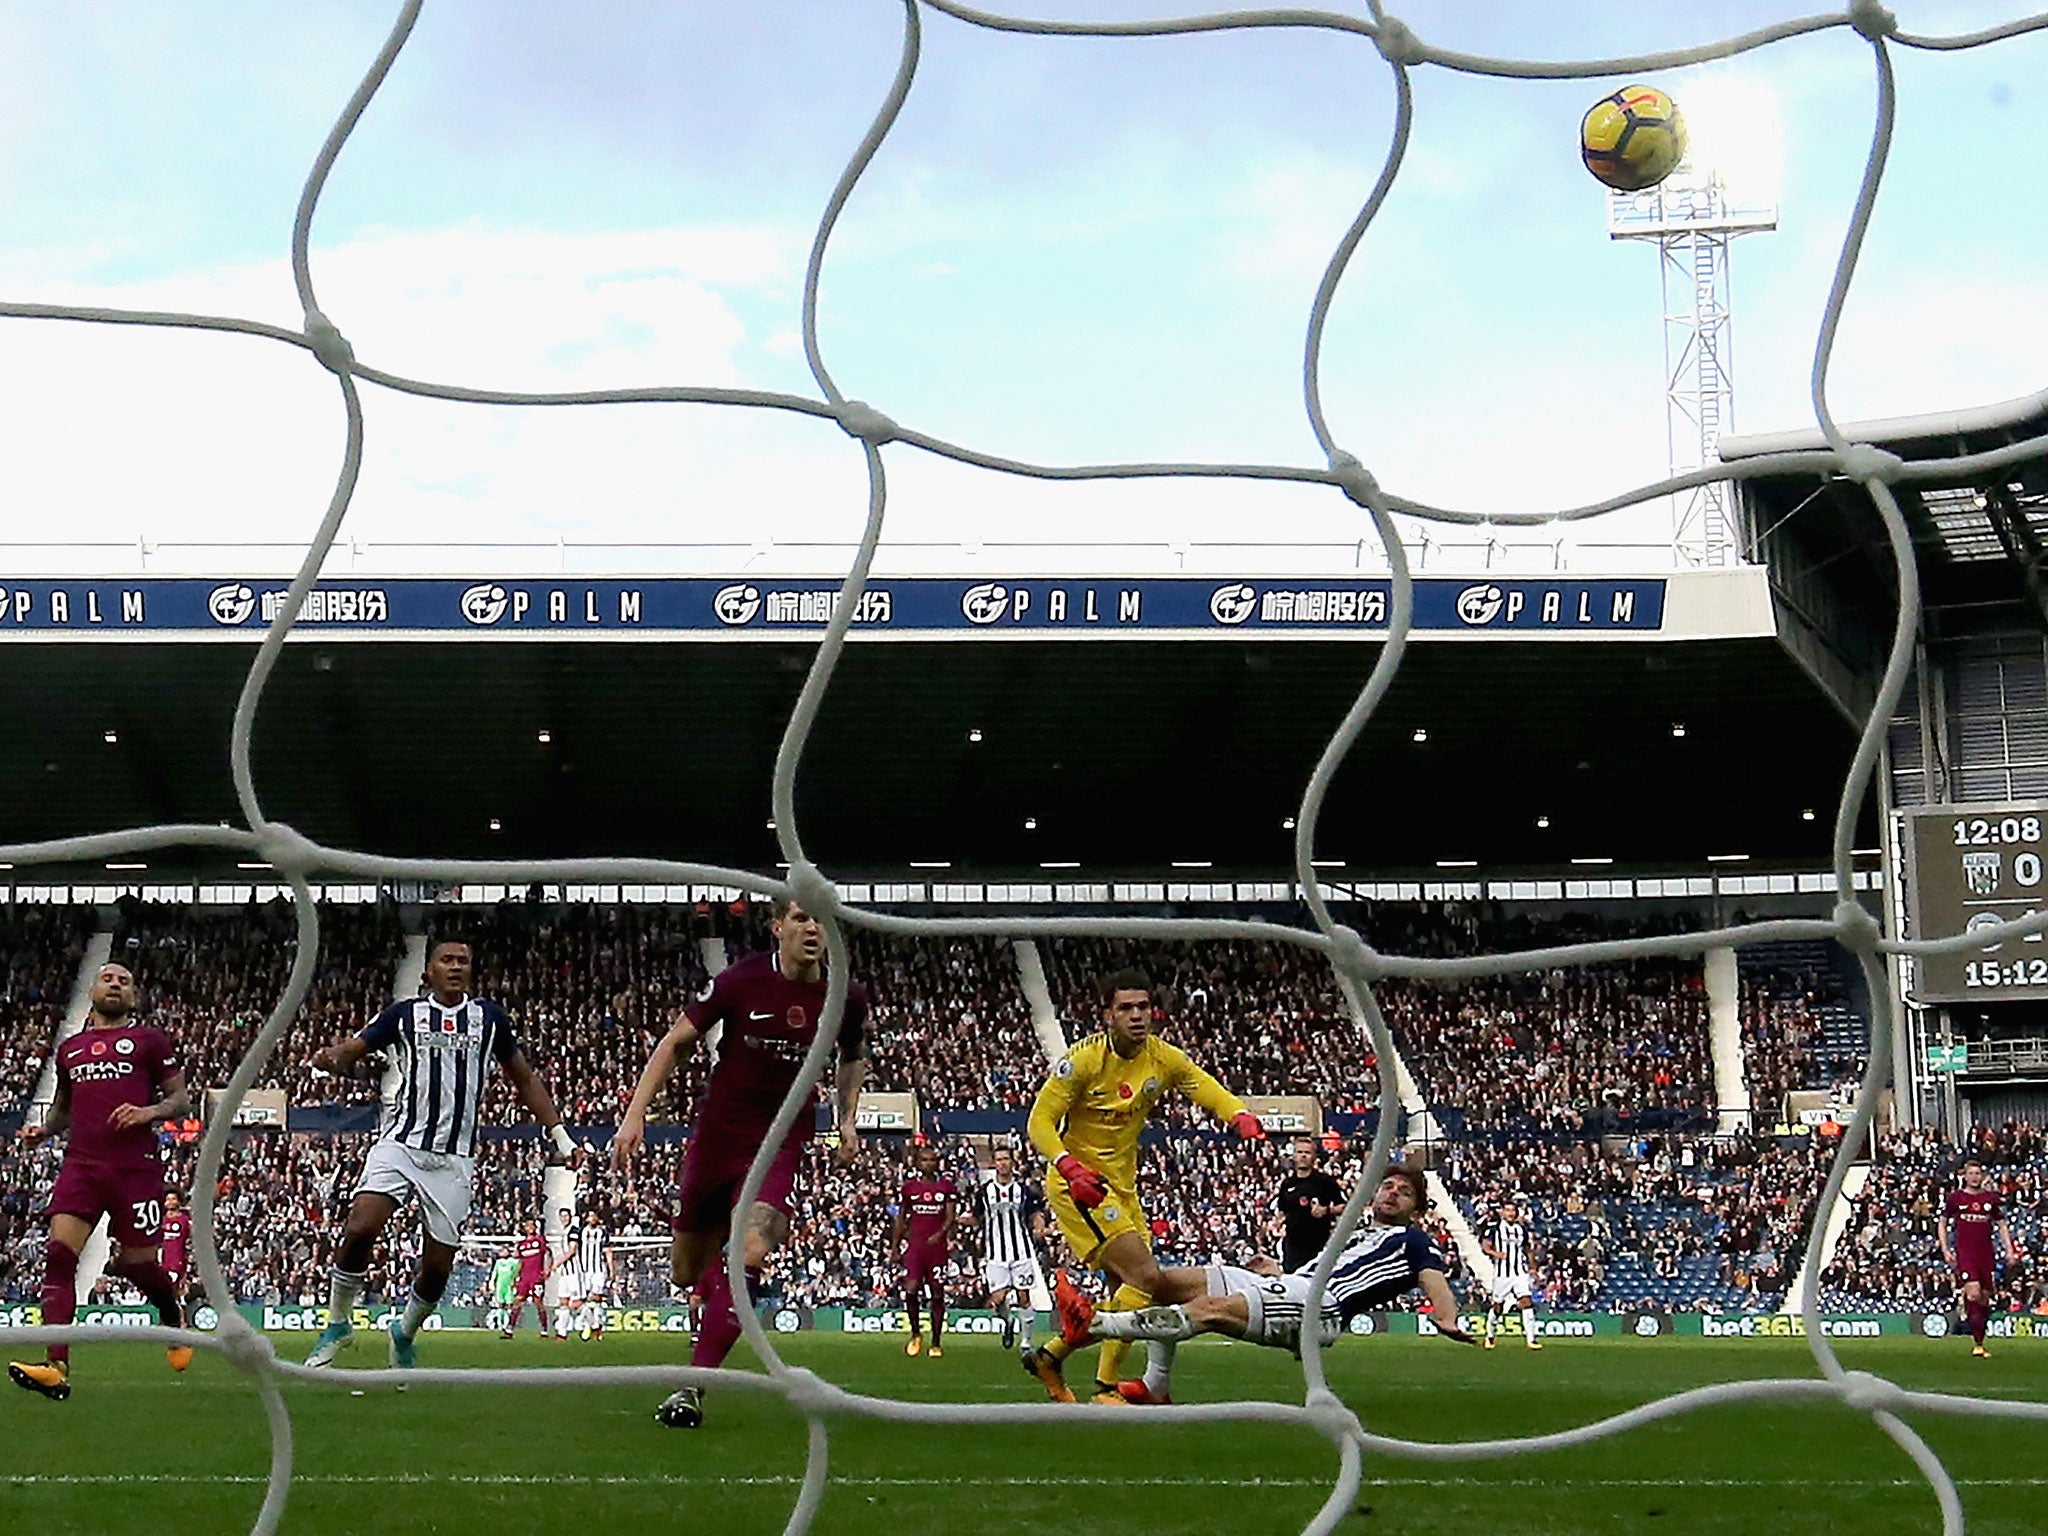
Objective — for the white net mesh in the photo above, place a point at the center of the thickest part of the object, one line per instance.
(1356, 965)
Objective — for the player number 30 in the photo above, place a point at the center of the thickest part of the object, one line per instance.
(1983, 832)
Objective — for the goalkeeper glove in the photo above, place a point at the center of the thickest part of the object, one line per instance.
(1088, 1187)
(1248, 1125)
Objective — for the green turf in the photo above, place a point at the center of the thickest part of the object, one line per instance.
(140, 1450)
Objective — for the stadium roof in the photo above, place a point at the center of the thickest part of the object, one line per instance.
(995, 757)
(1980, 538)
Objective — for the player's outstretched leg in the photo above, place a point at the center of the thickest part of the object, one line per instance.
(1155, 1387)
(1043, 1365)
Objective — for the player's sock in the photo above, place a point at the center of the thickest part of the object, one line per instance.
(417, 1310)
(344, 1290)
(1056, 1347)
(60, 1294)
(721, 1322)
(149, 1277)
(1975, 1315)
(938, 1314)
(1169, 1323)
(912, 1301)
(1127, 1298)
(1027, 1319)
(1159, 1368)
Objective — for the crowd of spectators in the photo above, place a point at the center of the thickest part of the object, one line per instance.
(1652, 1223)
(210, 977)
(41, 948)
(1583, 1093)
(1889, 1255)
(1789, 995)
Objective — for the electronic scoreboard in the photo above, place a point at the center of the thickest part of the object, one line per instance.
(1968, 866)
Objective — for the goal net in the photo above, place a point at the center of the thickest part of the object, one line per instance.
(1356, 966)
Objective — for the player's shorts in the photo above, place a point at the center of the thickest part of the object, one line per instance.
(1276, 1305)
(503, 1292)
(922, 1264)
(1978, 1270)
(442, 1180)
(1010, 1274)
(528, 1286)
(129, 1195)
(712, 1174)
(1088, 1231)
(568, 1287)
(1509, 1290)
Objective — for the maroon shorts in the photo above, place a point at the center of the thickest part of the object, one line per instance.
(922, 1264)
(1979, 1270)
(130, 1195)
(714, 1170)
(526, 1287)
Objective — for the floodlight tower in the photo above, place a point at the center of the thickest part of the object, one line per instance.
(1694, 215)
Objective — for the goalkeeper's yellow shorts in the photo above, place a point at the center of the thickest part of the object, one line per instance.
(1088, 1231)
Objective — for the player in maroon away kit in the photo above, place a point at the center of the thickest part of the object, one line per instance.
(922, 1228)
(115, 1080)
(1972, 1212)
(532, 1251)
(177, 1244)
(769, 1005)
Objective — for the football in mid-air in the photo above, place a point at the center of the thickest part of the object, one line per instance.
(1634, 138)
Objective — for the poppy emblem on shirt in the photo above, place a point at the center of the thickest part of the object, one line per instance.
(99, 1047)
(798, 1018)
(1123, 1090)
(450, 1024)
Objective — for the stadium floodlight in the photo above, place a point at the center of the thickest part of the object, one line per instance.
(1806, 815)
(1420, 735)
(1726, 187)
(1727, 858)
(110, 737)
(1457, 863)
(1286, 823)
(1327, 863)
(1059, 863)
(497, 825)
(1592, 861)
(1678, 728)
(256, 864)
(1542, 823)
(546, 737)
(1193, 864)
(931, 863)
(974, 733)
(125, 865)
(1030, 823)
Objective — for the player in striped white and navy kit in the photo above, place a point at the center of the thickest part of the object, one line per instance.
(441, 1049)
(1011, 1214)
(593, 1260)
(1508, 1246)
(1386, 1257)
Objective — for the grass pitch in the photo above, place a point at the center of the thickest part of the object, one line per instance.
(139, 1450)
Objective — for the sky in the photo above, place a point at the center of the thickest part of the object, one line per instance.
(1068, 250)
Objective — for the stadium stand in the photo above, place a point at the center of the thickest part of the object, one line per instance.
(40, 951)
(1800, 1029)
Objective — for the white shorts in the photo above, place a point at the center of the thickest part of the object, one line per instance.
(1277, 1304)
(568, 1285)
(1510, 1290)
(442, 1180)
(1010, 1274)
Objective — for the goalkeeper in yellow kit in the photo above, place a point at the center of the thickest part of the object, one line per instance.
(1085, 1123)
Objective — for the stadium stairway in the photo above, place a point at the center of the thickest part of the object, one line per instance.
(412, 967)
(1045, 1019)
(1446, 1207)
(1838, 1223)
(1724, 1033)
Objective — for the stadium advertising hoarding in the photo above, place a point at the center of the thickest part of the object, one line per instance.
(1969, 866)
(1690, 605)
(309, 1319)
